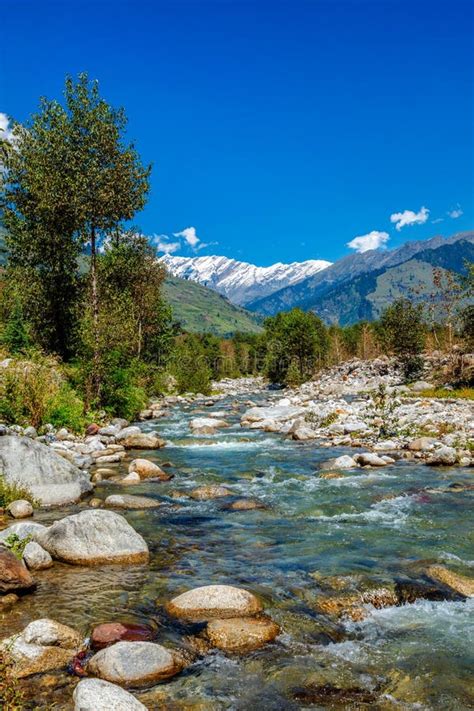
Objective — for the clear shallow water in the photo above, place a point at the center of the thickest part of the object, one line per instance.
(420, 654)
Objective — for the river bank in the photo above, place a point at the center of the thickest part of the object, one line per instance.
(347, 566)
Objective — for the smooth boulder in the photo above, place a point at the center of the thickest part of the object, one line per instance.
(343, 462)
(241, 634)
(21, 508)
(127, 501)
(214, 601)
(22, 529)
(35, 557)
(101, 695)
(148, 470)
(93, 537)
(134, 663)
(51, 479)
(143, 440)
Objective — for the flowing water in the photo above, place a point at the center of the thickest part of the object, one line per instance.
(374, 525)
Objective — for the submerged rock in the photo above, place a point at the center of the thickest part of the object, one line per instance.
(246, 505)
(50, 478)
(214, 601)
(92, 537)
(239, 634)
(14, 575)
(203, 493)
(134, 663)
(101, 695)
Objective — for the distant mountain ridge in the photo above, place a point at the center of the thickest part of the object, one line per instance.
(241, 282)
(359, 286)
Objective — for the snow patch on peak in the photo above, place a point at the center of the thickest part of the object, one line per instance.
(241, 282)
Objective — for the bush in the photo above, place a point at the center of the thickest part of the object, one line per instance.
(190, 366)
(34, 391)
(12, 492)
(67, 409)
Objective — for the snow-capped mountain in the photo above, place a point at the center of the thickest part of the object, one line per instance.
(241, 282)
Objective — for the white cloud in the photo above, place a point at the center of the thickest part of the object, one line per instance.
(456, 212)
(189, 235)
(408, 217)
(372, 240)
(5, 131)
(163, 245)
(438, 219)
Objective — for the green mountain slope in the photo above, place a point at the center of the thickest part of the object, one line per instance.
(202, 310)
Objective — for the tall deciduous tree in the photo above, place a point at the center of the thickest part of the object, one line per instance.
(403, 331)
(71, 182)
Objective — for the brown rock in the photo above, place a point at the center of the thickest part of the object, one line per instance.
(460, 583)
(143, 440)
(203, 493)
(331, 475)
(148, 470)
(240, 634)
(14, 575)
(92, 429)
(110, 632)
(247, 505)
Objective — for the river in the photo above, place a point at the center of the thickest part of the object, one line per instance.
(376, 525)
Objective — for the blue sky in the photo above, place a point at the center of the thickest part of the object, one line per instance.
(279, 131)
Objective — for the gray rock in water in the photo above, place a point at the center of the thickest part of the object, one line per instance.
(343, 462)
(370, 459)
(20, 509)
(92, 537)
(51, 479)
(22, 529)
(444, 456)
(35, 557)
(134, 663)
(101, 695)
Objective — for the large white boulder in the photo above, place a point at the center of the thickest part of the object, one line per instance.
(101, 695)
(50, 478)
(93, 537)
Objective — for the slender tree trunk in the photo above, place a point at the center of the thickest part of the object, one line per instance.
(140, 336)
(95, 315)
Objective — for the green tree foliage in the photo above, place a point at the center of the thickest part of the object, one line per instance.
(403, 332)
(296, 345)
(190, 365)
(70, 182)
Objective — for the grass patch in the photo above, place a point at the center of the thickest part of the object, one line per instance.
(12, 492)
(443, 393)
(17, 545)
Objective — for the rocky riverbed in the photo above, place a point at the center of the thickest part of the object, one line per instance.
(299, 549)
